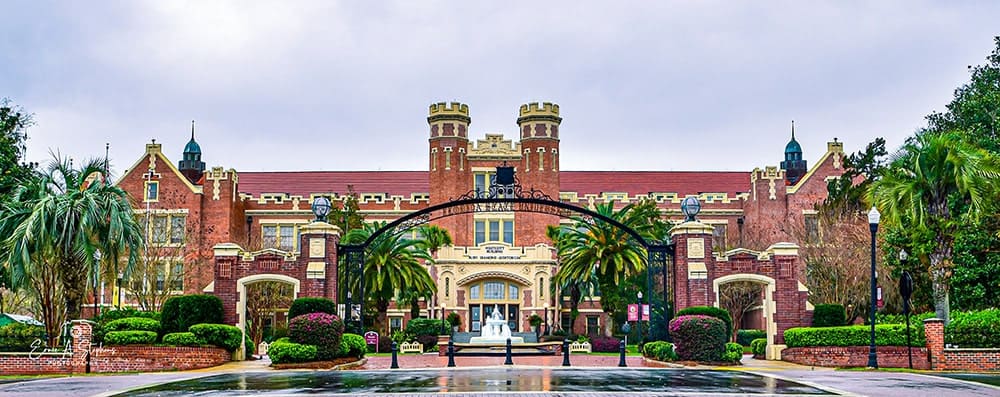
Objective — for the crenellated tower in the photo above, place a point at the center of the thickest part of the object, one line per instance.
(538, 124)
(450, 174)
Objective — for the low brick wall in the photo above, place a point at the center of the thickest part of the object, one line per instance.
(155, 358)
(855, 356)
(957, 359)
(36, 363)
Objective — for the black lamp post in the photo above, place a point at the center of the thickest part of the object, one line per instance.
(639, 323)
(906, 289)
(97, 280)
(873, 218)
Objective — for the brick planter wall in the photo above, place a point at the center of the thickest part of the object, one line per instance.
(855, 356)
(35, 364)
(155, 358)
(957, 359)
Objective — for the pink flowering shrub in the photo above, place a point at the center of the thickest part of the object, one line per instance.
(318, 329)
(699, 338)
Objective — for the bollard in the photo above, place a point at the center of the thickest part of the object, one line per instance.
(509, 360)
(395, 363)
(451, 353)
(621, 353)
(565, 353)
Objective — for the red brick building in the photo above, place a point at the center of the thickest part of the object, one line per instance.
(500, 259)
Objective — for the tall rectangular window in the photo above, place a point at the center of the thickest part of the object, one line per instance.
(812, 228)
(592, 325)
(494, 230)
(159, 229)
(270, 236)
(508, 232)
(719, 237)
(480, 232)
(480, 184)
(152, 190)
(287, 241)
(177, 225)
(565, 321)
(177, 276)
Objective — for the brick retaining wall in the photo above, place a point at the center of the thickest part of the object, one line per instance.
(957, 359)
(855, 356)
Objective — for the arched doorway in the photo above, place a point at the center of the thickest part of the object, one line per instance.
(768, 306)
(489, 291)
(244, 284)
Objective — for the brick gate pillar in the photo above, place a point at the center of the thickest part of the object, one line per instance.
(318, 242)
(934, 332)
(693, 265)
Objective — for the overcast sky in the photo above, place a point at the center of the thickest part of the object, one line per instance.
(325, 85)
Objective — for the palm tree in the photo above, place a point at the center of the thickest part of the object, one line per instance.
(69, 217)
(434, 237)
(923, 190)
(577, 285)
(392, 264)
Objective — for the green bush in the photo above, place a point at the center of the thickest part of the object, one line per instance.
(829, 315)
(318, 329)
(745, 336)
(284, 351)
(699, 337)
(853, 335)
(759, 347)
(733, 353)
(221, 335)
(112, 315)
(716, 312)
(181, 312)
(454, 319)
(132, 324)
(979, 329)
(352, 345)
(302, 306)
(182, 339)
(117, 338)
(659, 350)
(426, 326)
(18, 337)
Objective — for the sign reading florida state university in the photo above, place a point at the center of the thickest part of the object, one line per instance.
(633, 312)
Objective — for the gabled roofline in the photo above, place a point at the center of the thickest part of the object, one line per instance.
(831, 148)
(154, 149)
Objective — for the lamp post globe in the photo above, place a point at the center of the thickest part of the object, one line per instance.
(690, 207)
(320, 208)
(873, 219)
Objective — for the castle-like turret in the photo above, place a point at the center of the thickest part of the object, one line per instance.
(794, 165)
(450, 174)
(538, 124)
(191, 165)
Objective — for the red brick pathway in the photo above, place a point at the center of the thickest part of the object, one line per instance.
(435, 361)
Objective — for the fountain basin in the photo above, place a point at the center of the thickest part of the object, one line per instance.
(483, 340)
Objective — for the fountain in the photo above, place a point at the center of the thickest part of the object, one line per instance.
(495, 331)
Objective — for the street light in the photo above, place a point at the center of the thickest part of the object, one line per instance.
(443, 319)
(906, 289)
(97, 280)
(546, 308)
(320, 208)
(873, 218)
(690, 207)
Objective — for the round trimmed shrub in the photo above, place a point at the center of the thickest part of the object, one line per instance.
(659, 350)
(758, 347)
(733, 353)
(118, 338)
(699, 337)
(352, 345)
(225, 336)
(18, 337)
(829, 315)
(604, 344)
(712, 311)
(745, 336)
(182, 339)
(318, 329)
(308, 305)
(132, 324)
(181, 312)
(284, 351)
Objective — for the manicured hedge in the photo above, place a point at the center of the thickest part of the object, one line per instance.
(853, 335)
(284, 351)
(659, 350)
(829, 315)
(699, 337)
(112, 315)
(979, 329)
(132, 324)
(759, 347)
(733, 353)
(745, 336)
(302, 306)
(181, 312)
(182, 339)
(716, 312)
(221, 335)
(352, 345)
(18, 337)
(318, 329)
(117, 338)
(426, 326)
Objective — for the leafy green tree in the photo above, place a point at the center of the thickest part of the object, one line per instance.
(392, 264)
(917, 192)
(64, 225)
(13, 125)
(576, 286)
(975, 110)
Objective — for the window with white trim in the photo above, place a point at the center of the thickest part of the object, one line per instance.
(494, 231)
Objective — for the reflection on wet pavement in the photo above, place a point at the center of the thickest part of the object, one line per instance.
(482, 380)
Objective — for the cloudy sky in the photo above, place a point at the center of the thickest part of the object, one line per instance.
(326, 85)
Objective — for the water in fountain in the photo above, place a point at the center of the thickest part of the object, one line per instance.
(495, 330)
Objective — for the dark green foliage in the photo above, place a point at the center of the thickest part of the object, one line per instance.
(318, 329)
(182, 339)
(221, 335)
(659, 350)
(745, 336)
(181, 312)
(699, 337)
(17, 337)
(429, 342)
(535, 320)
(454, 319)
(758, 347)
(112, 315)
(829, 315)
(117, 338)
(974, 329)
(733, 353)
(716, 312)
(352, 345)
(13, 123)
(284, 351)
(854, 335)
(426, 326)
(248, 345)
(302, 306)
(132, 324)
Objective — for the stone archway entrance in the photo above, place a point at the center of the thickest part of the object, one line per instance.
(242, 285)
(768, 297)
